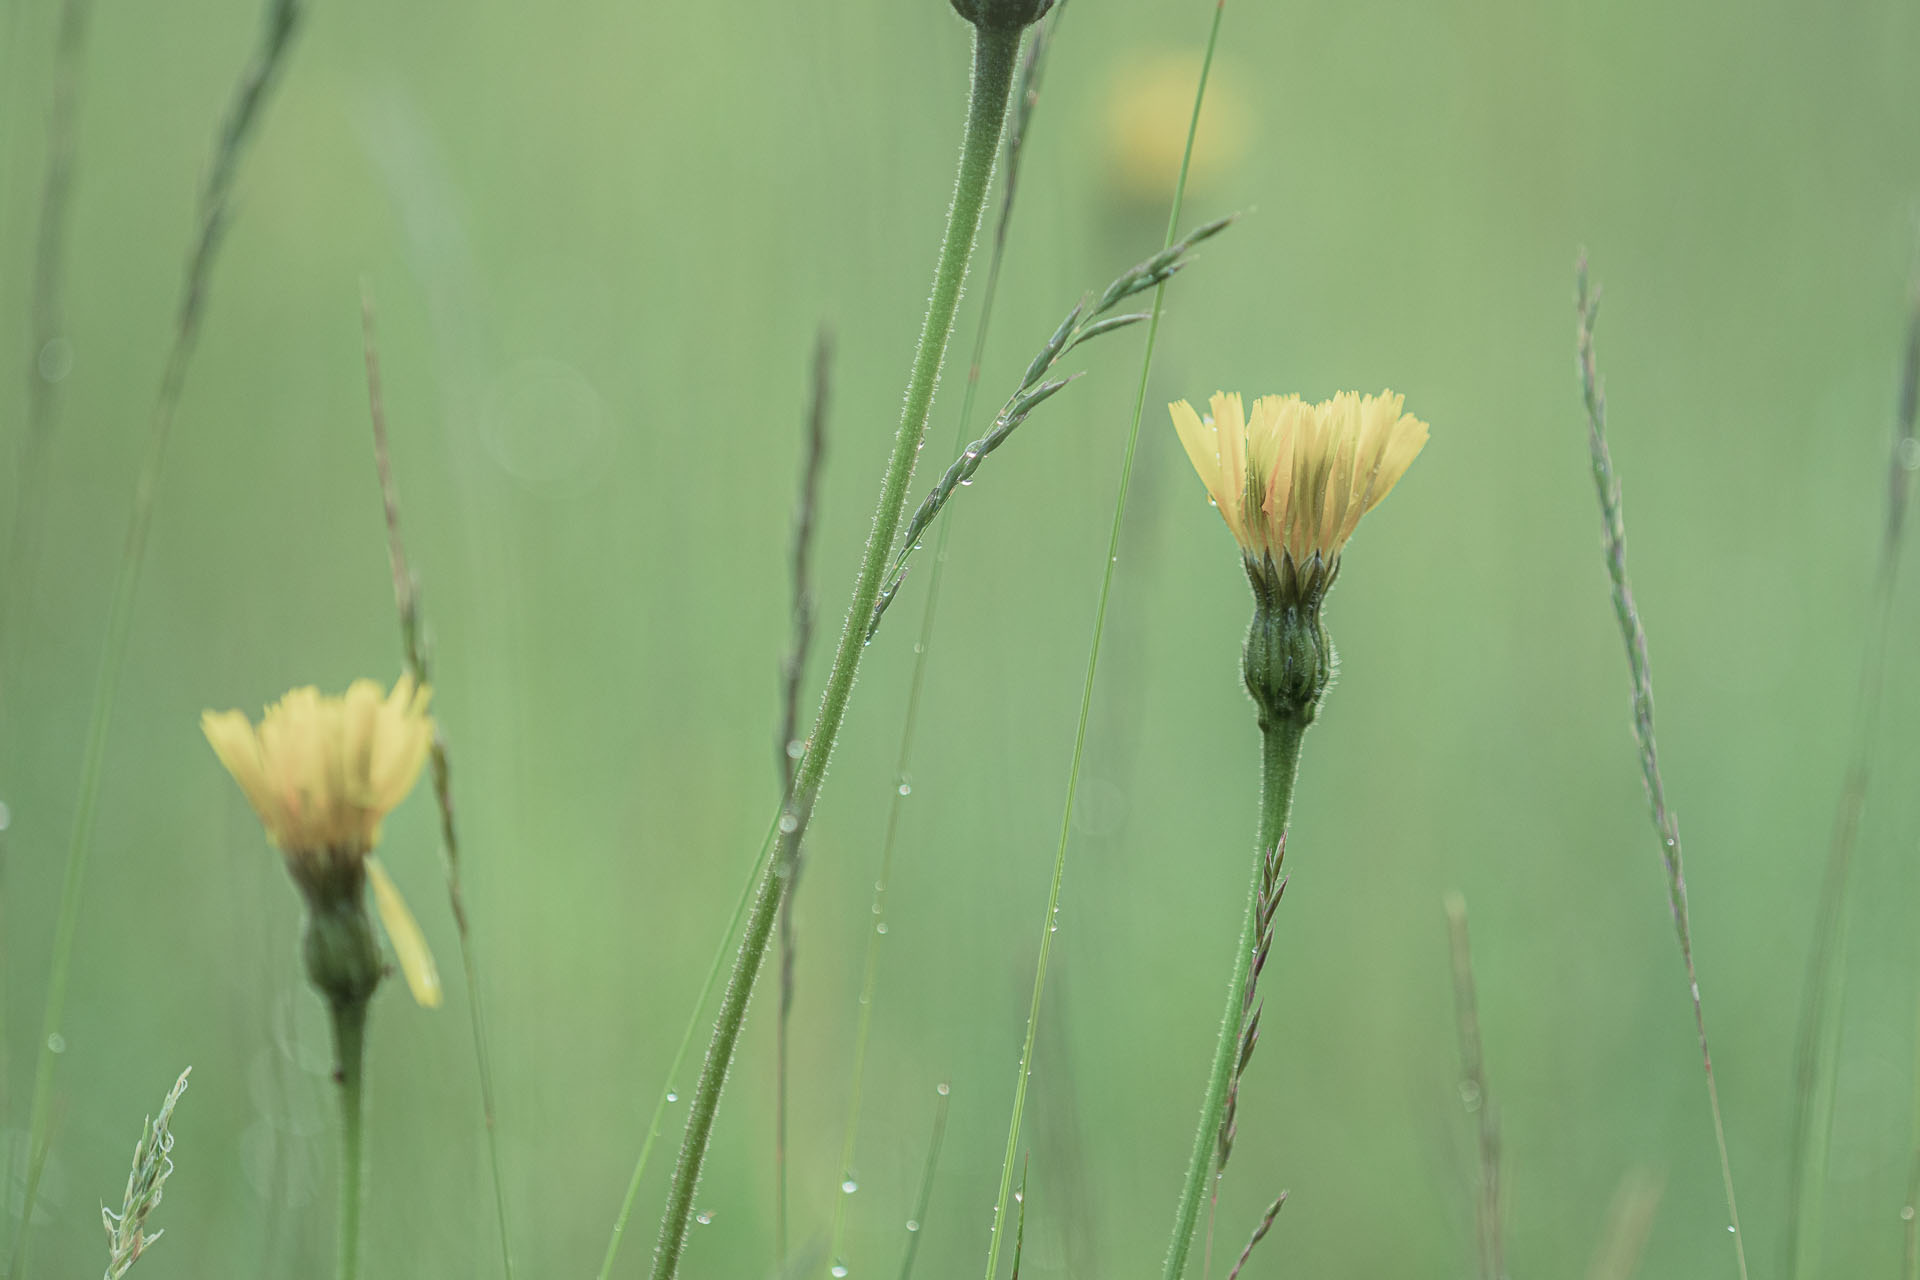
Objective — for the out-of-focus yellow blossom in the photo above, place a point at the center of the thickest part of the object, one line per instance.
(1149, 107)
(322, 772)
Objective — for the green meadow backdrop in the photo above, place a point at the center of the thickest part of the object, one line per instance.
(601, 238)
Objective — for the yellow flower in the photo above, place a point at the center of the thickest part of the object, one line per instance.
(1293, 482)
(1149, 106)
(322, 772)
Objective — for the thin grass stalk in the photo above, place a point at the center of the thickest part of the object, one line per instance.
(406, 599)
(1259, 1234)
(1026, 100)
(995, 56)
(1666, 826)
(243, 114)
(943, 1097)
(1020, 1221)
(669, 1093)
(1047, 921)
(1474, 1093)
(1817, 1043)
(787, 749)
(48, 321)
(1629, 1224)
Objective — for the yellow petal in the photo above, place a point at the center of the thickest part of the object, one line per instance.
(409, 944)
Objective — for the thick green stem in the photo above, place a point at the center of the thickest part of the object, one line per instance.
(349, 1057)
(994, 57)
(1281, 763)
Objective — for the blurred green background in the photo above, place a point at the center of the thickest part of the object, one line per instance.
(601, 237)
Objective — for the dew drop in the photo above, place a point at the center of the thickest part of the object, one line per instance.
(881, 927)
(906, 788)
(1906, 1213)
(943, 1089)
(789, 823)
(839, 1271)
(913, 1224)
(6, 816)
(849, 1186)
(57, 1043)
(672, 1096)
(796, 749)
(55, 361)
(703, 1217)
(1019, 1197)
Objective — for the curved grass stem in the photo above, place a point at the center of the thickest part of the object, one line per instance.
(995, 54)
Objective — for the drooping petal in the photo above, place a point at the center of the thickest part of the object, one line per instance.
(409, 944)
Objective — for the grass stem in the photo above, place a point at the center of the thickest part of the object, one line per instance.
(406, 598)
(995, 54)
(243, 114)
(1093, 667)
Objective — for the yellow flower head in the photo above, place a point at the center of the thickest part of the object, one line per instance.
(322, 772)
(1293, 481)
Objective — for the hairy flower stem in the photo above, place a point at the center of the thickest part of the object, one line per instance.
(349, 1058)
(1280, 764)
(995, 55)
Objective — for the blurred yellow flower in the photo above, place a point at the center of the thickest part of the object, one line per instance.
(1150, 104)
(322, 772)
(1293, 482)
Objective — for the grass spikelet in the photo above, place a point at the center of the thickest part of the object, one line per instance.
(1273, 885)
(1259, 1234)
(1474, 1093)
(1084, 323)
(406, 599)
(787, 746)
(1614, 530)
(127, 1236)
(242, 117)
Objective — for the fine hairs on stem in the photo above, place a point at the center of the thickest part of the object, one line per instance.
(1817, 1040)
(1666, 827)
(1474, 1093)
(995, 54)
(787, 747)
(1047, 919)
(1026, 100)
(406, 599)
(243, 115)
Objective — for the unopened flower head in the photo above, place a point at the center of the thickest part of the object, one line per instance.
(1293, 480)
(322, 772)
